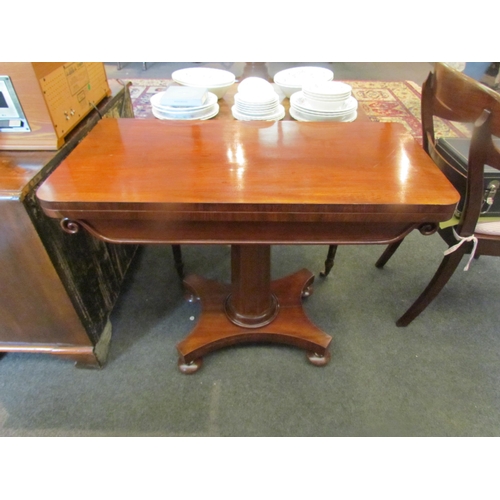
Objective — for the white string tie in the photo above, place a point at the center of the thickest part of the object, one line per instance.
(462, 240)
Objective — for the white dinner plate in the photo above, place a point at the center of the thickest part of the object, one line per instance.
(242, 106)
(323, 98)
(257, 98)
(278, 115)
(256, 113)
(303, 116)
(197, 115)
(302, 103)
(327, 90)
(156, 103)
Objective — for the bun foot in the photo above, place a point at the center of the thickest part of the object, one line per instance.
(318, 360)
(188, 368)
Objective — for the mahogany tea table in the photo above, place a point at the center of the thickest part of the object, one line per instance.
(250, 185)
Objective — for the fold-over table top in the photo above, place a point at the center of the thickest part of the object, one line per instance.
(219, 167)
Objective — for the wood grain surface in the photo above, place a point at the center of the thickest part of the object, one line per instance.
(264, 169)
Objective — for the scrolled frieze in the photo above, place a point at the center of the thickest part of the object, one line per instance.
(70, 226)
(428, 228)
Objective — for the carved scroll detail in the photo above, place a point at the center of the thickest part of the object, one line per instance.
(428, 228)
(70, 226)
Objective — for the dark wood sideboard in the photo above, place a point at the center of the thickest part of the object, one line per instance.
(57, 290)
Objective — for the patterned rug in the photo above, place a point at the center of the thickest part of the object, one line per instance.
(381, 101)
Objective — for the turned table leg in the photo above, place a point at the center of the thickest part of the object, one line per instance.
(251, 303)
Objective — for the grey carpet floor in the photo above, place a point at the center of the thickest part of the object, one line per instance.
(437, 377)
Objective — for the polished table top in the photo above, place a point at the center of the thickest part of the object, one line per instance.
(250, 184)
(258, 171)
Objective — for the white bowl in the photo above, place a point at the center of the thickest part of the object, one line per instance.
(254, 84)
(219, 91)
(217, 81)
(198, 77)
(257, 98)
(287, 90)
(291, 80)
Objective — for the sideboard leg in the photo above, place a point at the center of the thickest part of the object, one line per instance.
(97, 358)
(86, 362)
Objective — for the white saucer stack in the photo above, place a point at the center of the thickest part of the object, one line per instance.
(257, 100)
(202, 110)
(324, 101)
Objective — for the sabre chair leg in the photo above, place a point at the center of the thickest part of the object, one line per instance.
(445, 271)
(179, 265)
(388, 253)
(332, 250)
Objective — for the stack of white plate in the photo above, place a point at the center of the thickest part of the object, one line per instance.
(257, 100)
(324, 101)
(215, 80)
(207, 110)
(292, 80)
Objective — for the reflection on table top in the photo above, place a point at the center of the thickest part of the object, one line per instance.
(233, 166)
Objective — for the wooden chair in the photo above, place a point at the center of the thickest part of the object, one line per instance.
(453, 96)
